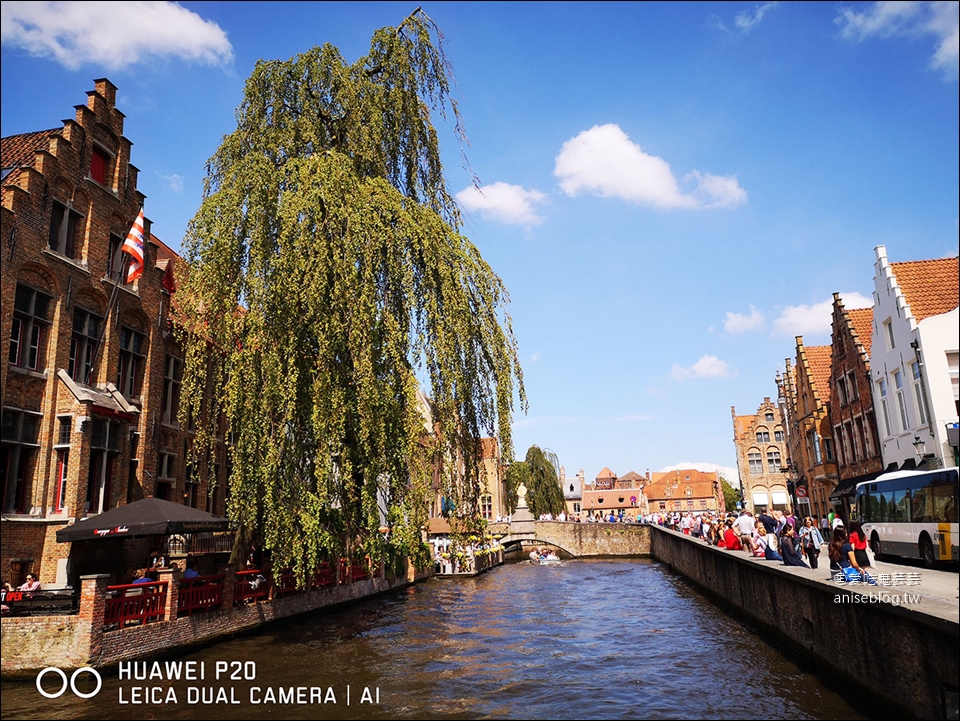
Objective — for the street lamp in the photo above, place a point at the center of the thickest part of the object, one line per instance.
(919, 446)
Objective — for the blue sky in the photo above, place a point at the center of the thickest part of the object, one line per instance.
(671, 191)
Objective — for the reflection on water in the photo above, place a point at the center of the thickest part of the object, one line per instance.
(584, 639)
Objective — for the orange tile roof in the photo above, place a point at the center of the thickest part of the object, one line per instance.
(20, 150)
(631, 476)
(862, 321)
(931, 287)
(606, 473)
(818, 360)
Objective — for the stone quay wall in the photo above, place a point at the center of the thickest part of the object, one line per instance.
(31, 643)
(594, 539)
(904, 656)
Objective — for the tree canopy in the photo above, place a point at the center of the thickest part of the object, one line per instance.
(540, 473)
(339, 331)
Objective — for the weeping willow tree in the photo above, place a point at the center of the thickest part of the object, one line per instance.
(338, 328)
(540, 473)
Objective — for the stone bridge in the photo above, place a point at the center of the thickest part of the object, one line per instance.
(577, 539)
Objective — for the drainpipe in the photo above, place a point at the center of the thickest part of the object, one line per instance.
(915, 344)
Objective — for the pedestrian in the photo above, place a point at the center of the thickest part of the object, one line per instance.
(811, 541)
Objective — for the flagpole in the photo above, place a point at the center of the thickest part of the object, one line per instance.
(124, 262)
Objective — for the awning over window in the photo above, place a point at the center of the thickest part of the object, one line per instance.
(780, 498)
(759, 499)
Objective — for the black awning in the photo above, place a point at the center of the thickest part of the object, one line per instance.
(146, 517)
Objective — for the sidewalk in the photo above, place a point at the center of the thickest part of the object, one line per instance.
(898, 583)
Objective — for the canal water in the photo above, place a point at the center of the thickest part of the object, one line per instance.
(585, 639)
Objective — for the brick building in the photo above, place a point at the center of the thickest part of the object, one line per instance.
(687, 490)
(851, 411)
(805, 389)
(762, 457)
(618, 495)
(90, 385)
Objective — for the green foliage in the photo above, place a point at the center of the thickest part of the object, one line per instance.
(328, 281)
(730, 494)
(542, 470)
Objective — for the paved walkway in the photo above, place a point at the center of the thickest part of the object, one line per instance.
(934, 592)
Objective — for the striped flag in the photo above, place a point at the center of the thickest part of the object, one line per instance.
(133, 246)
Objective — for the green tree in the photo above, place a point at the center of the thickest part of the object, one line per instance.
(731, 496)
(328, 284)
(541, 475)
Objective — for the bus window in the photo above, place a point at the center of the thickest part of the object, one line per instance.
(886, 506)
(873, 507)
(901, 506)
(944, 507)
(923, 505)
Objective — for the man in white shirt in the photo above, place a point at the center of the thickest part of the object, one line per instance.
(745, 527)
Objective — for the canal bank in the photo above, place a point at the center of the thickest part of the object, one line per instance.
(161, 622)
(612, 638)
(904, 651)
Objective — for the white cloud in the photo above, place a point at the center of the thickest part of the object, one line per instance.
(740, 323)
(604, 161)
(941, 20)
(114, 34)
(502, 202)
(746, 21)
(709, 366)
(174, 182)
(535, 356)
(814, 319)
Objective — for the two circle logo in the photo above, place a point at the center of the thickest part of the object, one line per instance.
(71, 683)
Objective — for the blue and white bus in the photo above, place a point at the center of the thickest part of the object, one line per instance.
(911, 514)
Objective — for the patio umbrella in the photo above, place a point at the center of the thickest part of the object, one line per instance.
(146, 517)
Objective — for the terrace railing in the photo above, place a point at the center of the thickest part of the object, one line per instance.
(200, 594)
(135, 604)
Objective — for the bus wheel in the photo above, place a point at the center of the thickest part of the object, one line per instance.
(875, 546)
(926, 552)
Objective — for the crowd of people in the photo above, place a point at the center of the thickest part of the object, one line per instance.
(781, 536)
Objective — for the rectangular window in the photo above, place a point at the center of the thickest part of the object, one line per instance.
(66, 426)
(756, 463)
(888, 334)
(83, 343)
(99, 162)
(882, 386)
(60, 500)
(167, 467)
(918, 392)
(852, 386)
(841, 385)
(901, 401)
(813, 445)
(172, 375)
(29, 328)
(65, 224)
(763, 436)
(115, 258)
(773, 461)
(19, 447)
(104, 448)
(132, 357)
(828, 449)
(778, 436)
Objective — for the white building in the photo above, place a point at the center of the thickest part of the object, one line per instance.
(914, 363)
